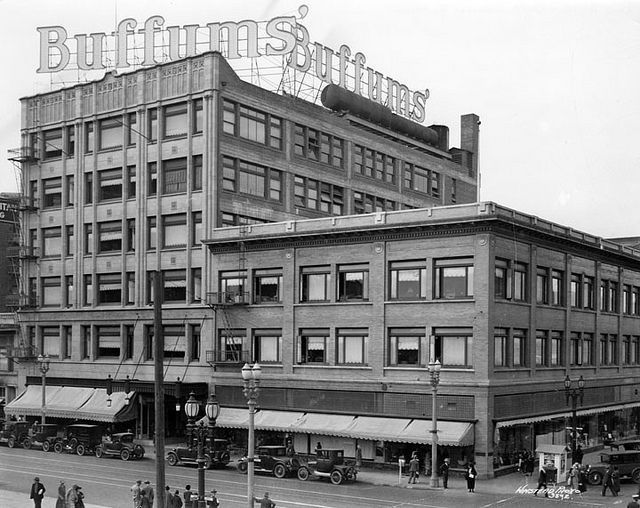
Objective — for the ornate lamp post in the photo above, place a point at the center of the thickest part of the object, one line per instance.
(251, 382)
(574, 394)
(200, 433)
(43, 362)
(434, 373)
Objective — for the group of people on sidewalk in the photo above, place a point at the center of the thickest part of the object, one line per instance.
(470, 473)
(72, 498)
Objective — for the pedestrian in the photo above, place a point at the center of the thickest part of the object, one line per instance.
(62, 495)
(147, 495)
(582, 479)
(607, 482)
(574, 476)
(358, 457)
(318, 447)
(414, 468)
(265, 502)
(444, 472)
(168, 497)
(136, 494)
(188, 497)
(542, 481)
(615, 479)
(72, 497)
(177, 500)
(579, 455)
(37, 492)
(470, 475)
(80, 500)
(212, 500)
(634, 501)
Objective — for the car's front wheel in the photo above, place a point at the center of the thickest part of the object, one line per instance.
(303, 474)
(336, 477)
(58, 447)
(27, 443)
(11, 442)
(242, 467)
(595, 477)
(125, 454)
(99, 451)
(279, 471)
(46, 446)
(80, 449)
(172, 459)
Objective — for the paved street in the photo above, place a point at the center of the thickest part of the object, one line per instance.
(106, 483)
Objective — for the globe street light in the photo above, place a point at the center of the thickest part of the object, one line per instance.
(251, 382)
(44, 361)
(434, 373)
(574, 394)
(199, 432)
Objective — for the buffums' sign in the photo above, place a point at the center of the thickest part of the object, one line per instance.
(151, 43)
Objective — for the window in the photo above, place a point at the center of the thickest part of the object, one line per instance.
(626, 299)
(421, 180)
(318, 146)
(129, 338)
(314, 284)
(68, 290)
(52, 189)
(67, 342)
(175, 286)
(131, 129)
(70, 191)
(635, 350)
(353, 282)
(152, 233)
(71, 141)
(408, 280)
(152, 125)
(233, 286)
(233, 346)
(575, 290)
(587, 349)
(366, 203)
(267, 345)
(52, 143)
(51, 242)
(51, 292)
(148, 342)
(453, 278)
(88, 188)
(175, 342)
(85, 342)
(131, 182)
(197, 173)
(501, 279)
(500, 340)
(312, 346)
(626, 350)
(89, 138)
(251, 124)
(152, 171)
(557, 287)
(608, 296)
(174, 231)
(267, 286)
(131, 235)
(198, 122)
(195, 336)
(520, 284)
(454, 347)
(130, 288)
(407, 347)
(196, 285)
(542, 285)
(175, 120)
(352, 346)
(556, 348)
(576, 349)
(109, 288)
(519, 348)
(588, 293)
(317, 195)
(109, 341)
(110, 236)
(374, 164)
(110, 133)
(613, 349)
(50, 341)
(635, 301)
(542, 348)
(196, 226)
(110, 184)
(252, 179)
(235, 219)
(174, 176)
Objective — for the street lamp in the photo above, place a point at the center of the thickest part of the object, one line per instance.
(434, 372)
(44, 368)
(251, 382)
(574, 394)
(200, 432)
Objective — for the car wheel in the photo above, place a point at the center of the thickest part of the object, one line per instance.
(99, 451)
(58, 447)
(80, 449)
(11, 442)
(125, 454)
(303, 474)
(46, 446)
(595, 478)
(336, 477)
(279, 471)
(635, 475)
(242, 467)
(26, 444)
(172, 459)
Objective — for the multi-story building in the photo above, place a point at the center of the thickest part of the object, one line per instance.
(123, 178)
(345, 314)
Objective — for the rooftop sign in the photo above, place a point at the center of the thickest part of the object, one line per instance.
(284, 36)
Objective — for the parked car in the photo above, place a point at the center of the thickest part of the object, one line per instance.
(272, 459)
(120, 445)
(329, 464)
(216, 454)
(14, 433)
(628, 462)
(44, 435)
(631, 444)
(80, 439)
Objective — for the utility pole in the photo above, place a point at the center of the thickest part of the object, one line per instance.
(158, 362)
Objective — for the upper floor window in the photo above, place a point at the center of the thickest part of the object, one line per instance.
(353, 282)
(314, 283)
(174, 231)
(89, 137)
(109, 341)
(453, 346)
(52, 189)
(519, 352)
(407, 347)
(251, 124)
(71, 141)
(312, 346)
(267, 346)
(557, 287)
(542, 285)
(110, 236)
(510, 280)
(233, 345)
(174, 176)
(249, 178)
(366, 203)
(588, 295)
(557, 348)
(131, 129)
(174, 285)
(421, 180)
(52, 143)
(319, 196)
(51, 292)
(51, 242)
(110, 184)
(374, 164)
(110, 133)
(318, 146)
(501, 279)
(109, 288)
(453, 278)
(500, 349)
(575, 290)
(542, 348)
(233, 286)
(267, 286)
(408, 280)
(198, 117)
(152, 125)
(608, 296)
(352, 346)
(175, 120)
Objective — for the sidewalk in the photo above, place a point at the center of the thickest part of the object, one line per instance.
(10, 499)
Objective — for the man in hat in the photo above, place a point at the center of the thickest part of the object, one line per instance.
(37, 492)
(444, 472)
(265, 502)
(147, 495)
(168, 497)
(212, 500)
(634, 501)
(62, 495)
(136, 494)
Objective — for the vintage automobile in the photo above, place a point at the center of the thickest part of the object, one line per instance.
(627, 461)
(629, 444)
(42, 434)
(273, 460)
(80, 439)
(216, 455)
(329, 464)
(14, 433)
(121, 445)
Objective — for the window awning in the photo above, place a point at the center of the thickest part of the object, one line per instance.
(403, 430)
(72, 402)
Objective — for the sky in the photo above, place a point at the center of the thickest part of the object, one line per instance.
(556, 83)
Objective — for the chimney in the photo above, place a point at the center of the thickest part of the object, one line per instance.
(469, 139)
